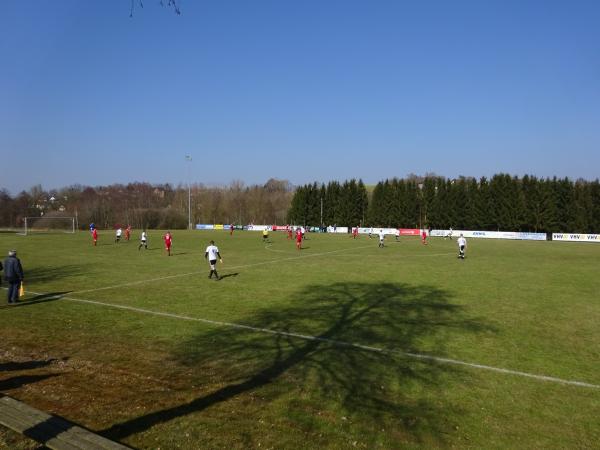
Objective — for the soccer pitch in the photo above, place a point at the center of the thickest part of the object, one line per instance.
(339, 345)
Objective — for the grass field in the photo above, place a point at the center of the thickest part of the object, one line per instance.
(322, 348)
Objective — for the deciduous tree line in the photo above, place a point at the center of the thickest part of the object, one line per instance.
(145, 205)
(500, 203)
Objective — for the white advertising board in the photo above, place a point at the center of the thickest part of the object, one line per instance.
(259, 227)
(491, 234)
(576, 237)
(375, 231)
(337, 229)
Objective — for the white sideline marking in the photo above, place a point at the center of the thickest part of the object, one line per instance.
(369, 348)
(310, 255)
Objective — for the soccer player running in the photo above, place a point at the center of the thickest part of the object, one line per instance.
(168, 240)
(212, 253)
(143, 241)
(462, 246)
(95, 236)
(231, 227)
(118, 234)
(355, 232)
(299, 238)
(127, 232)
(381, 238)
(265, 235)
(423, 237)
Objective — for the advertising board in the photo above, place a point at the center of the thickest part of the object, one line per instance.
(409, 232)
(337, 229)
(576, 237)
(491, 234)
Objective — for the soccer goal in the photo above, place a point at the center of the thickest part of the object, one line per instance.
(48, 225)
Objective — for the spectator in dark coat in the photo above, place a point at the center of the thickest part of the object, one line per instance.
(13, 274)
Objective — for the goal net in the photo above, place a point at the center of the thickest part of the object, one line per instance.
(48, 225)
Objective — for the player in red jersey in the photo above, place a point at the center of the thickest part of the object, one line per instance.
(299, 238)
(127, 232)
(424, 237)
(231, 230)
(168, 239)
(95, 236)
(354, 232)
(289, 232)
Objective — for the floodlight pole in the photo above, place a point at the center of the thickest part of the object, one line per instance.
(189, 159)
(321, 212)
(420, 186)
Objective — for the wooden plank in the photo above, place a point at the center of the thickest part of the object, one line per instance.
(52, 431)
(35, 415)
(44, 432)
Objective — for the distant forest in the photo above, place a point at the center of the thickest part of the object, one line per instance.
(502, 202)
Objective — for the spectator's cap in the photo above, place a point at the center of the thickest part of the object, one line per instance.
(12, 252)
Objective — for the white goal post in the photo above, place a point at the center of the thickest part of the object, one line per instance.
(48, 225)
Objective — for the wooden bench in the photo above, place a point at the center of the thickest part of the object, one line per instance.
(52, 431)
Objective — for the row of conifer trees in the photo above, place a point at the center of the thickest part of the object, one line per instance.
(502, 202)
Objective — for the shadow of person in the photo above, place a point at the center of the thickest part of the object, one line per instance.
(40, 298)
(227, 275)
(345, 345)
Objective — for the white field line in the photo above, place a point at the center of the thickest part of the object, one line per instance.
(271, 261)
(268, 247)
(369, 348)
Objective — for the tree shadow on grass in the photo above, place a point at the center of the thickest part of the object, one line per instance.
(20, 380)
(341, 345)
(41, 274)
(25, 365)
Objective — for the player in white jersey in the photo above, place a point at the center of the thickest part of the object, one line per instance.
(462, 246)
(143, 241)
(118, 234)
(381, 238)
(211, 254)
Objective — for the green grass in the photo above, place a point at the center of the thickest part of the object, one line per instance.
(155, 381)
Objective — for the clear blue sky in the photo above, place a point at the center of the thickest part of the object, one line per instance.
(305, 91)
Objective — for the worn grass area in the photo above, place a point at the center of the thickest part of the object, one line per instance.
(172, 381)
(15, 441)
